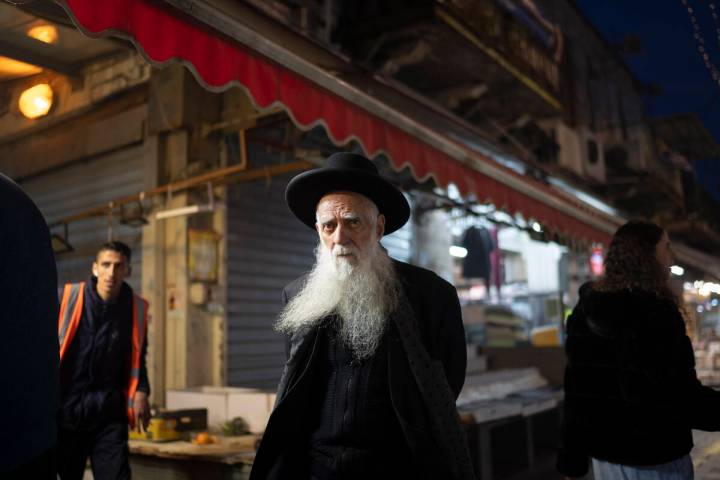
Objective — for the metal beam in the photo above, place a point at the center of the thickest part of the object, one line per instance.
(34, 52)
(46, 10)
(217, 178)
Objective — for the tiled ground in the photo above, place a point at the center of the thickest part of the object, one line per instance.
(706, 455)
(706, 458)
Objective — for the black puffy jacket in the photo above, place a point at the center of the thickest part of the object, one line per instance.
(631, 392)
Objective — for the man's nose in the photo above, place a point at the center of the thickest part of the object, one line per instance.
(340, 235)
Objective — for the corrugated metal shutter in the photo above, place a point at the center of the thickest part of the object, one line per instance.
(85, 185)
(267, 249)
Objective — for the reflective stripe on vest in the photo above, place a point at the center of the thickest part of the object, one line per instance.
(70, 313)
(140, 308)
(71, 308)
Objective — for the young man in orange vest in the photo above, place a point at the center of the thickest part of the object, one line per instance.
(103, 377)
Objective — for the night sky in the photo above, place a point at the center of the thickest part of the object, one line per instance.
(669, 57)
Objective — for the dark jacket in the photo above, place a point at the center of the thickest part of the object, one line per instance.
(437, 311)
(28, 319)
(631, 393)
(95, 370)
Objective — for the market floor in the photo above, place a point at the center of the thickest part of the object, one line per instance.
(705, 455)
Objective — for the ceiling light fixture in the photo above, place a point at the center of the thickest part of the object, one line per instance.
(189, 209)
(183, 211)
(36, 101)
(677, 270)
(44, 33)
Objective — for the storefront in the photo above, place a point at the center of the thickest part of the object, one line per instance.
(264, 248)
(540, 235)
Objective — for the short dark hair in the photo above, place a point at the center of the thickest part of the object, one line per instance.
(116, 246)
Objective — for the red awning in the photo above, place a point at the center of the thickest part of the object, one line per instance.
(220, 62)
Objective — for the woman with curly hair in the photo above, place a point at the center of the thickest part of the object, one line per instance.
(631, 392)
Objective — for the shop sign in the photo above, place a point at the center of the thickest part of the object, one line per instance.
(203, 255)
(596, 261)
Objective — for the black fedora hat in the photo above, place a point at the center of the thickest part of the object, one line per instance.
(349, 172)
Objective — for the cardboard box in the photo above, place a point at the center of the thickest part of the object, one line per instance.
(226, 403)
(186, 420)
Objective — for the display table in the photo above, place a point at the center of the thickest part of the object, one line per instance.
(510, 435)
(230, 458)
(506, 437)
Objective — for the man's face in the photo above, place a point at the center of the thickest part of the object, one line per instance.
(348, 225)
(111, 269)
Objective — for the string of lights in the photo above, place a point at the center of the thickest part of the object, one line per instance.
(716, 20)
(700, 39)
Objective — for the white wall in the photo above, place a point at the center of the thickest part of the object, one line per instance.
(541, 259)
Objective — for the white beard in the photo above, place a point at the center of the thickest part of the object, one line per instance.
(363, 294)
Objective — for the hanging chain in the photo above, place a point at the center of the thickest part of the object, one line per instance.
(716, 20)
(700, 39)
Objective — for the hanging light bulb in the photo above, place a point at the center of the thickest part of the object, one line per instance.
(457, 251)
(36, 101)
(44, 33)
(677, 270)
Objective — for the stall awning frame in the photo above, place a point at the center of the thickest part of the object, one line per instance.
(223, 51)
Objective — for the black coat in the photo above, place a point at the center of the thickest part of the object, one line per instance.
(631, 392)
(437, 311)
(29, 353)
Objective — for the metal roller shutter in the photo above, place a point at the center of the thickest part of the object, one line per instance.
(84, 185)
(267, 249)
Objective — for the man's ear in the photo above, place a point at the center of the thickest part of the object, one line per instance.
(95, 269)
(380, 225)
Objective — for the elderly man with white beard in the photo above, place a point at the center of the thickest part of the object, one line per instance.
(376, 350)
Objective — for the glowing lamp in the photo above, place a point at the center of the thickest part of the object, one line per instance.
(44, 33)
(459, 252)
(36, 101)
(677, 270)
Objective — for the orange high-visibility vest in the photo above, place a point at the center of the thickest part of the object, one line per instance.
(71, 308)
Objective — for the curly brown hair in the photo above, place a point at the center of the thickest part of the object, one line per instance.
(631, 263)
